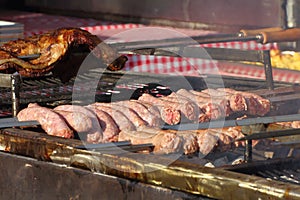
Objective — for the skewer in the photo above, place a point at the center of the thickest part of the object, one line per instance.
(230, 123)
(271, 134)
(116, 147)
(14, 122)
(263, 36)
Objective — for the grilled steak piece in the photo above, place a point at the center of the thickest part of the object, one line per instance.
(121, 120)
(96, 130)
(78, 121)
(168, 113)
(52, 47)
(142, 111)
(51, 122)
(108, 125)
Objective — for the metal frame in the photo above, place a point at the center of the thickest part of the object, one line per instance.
(186, 47)
(12, 81)
(150, 169)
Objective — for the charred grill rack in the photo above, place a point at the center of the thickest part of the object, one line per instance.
(49, 89)
(181, 176)
(167, 47)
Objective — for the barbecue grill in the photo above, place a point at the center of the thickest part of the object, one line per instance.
(185, 178)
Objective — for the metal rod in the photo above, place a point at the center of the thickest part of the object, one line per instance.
(103, 145)
(268, 69)
(271, 134)
(284, 16)
(13, 122)
(248, 151)
(183, 41)
(228, 123)
(15, 93)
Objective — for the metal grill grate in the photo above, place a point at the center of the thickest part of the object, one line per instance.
(285, 169)
(50, 90)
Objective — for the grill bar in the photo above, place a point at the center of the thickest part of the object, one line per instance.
(285, 170)
(184, 41)
(242, 122)
(177, 175)
(271, 134)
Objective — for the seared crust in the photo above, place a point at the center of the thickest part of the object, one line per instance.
(52, 47)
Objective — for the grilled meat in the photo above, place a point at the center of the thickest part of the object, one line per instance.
(164, 142)
(206, 142)
(143, 111)
(169, 113)
(255, 103)
(96, 130)
(185, 142)
(235, 101)
(128, 112)
(53, 47)
(229, 103)
(51, 122)
(209, 110)
(187, 107)
(218, 103)
(120, 119)
(108, 125)
(78, 121)
(135, 120)
(153, 109)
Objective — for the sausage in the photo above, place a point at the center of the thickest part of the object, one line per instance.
(257, 105)
(96, 130)
(78, 121)
(169, 114)
(142, 110)
(121, 120)
(128, 112)
(109, 126)
(164, 142)
(186, 106)
(209, 110)
(51, 122)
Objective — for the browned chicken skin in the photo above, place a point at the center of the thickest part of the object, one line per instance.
(53, 47)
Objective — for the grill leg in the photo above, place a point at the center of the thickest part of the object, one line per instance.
(248, 151)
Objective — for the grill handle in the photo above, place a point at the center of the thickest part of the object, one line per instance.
(254, 32)
(287, 35)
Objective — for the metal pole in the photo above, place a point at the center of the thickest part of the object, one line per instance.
(248, 151)
(268, 69)
(15, 93)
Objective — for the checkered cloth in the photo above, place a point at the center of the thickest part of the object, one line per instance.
(36, 23)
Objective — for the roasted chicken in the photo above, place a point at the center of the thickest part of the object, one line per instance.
(53, 47)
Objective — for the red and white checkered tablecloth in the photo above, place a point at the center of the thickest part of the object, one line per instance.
(36, 23)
